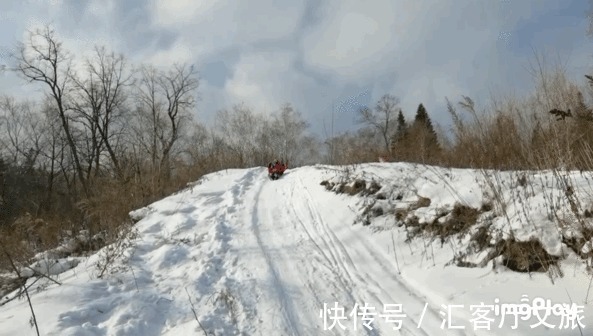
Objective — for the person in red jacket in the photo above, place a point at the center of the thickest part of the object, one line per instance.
(277, 169)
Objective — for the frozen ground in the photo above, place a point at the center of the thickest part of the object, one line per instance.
(244, 255)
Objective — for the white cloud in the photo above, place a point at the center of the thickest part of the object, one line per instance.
(356, 40)
(179, 52)
(266, 80)
(101, 9)
(217, 25)
(181, 12)
(262, 80)
(262, 20)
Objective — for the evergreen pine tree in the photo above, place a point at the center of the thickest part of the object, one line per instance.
(397, 140)
(402, 127)
(423, 121)
(426, 136)
(582, 111)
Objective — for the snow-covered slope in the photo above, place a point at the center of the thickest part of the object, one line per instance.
(244, 255)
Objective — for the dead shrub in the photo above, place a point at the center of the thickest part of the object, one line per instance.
(522, 180)
(526, 256)
(18, 247)
(8, 284)
(401, 214)
(481, 239)
(422, 202)
(576, 244)
(357, 187)
(372, 189)
(229, 302)
(328, 185)
(486, 207)
(373, 210)
(518, 256)
(413, 221)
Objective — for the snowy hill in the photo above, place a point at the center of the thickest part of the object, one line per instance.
(244, 255)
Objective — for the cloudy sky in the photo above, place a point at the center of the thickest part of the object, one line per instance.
(320, 53)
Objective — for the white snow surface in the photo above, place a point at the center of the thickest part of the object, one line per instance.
(251, 256)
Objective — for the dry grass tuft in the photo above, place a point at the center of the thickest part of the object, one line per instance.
(459, 221)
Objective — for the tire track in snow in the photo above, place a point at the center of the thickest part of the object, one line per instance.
(348, 268)
(293, 264)
(367, 278)
(310, 269)
(287, 307)
(331, 267)
(336, 244)
(340, 277)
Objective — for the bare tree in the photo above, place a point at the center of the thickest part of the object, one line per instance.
(256, 138)
(289, 128)
(52, 157)
(43, 59)
(243, 131)
(197, 146)
(21, 135)
(382, 118)
(22, 131)
(164, 103)
(102, 98)
(178, 86)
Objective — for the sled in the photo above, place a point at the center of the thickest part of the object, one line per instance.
(275, 176)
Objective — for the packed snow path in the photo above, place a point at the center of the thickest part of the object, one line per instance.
(302, 262)
(244, 255)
